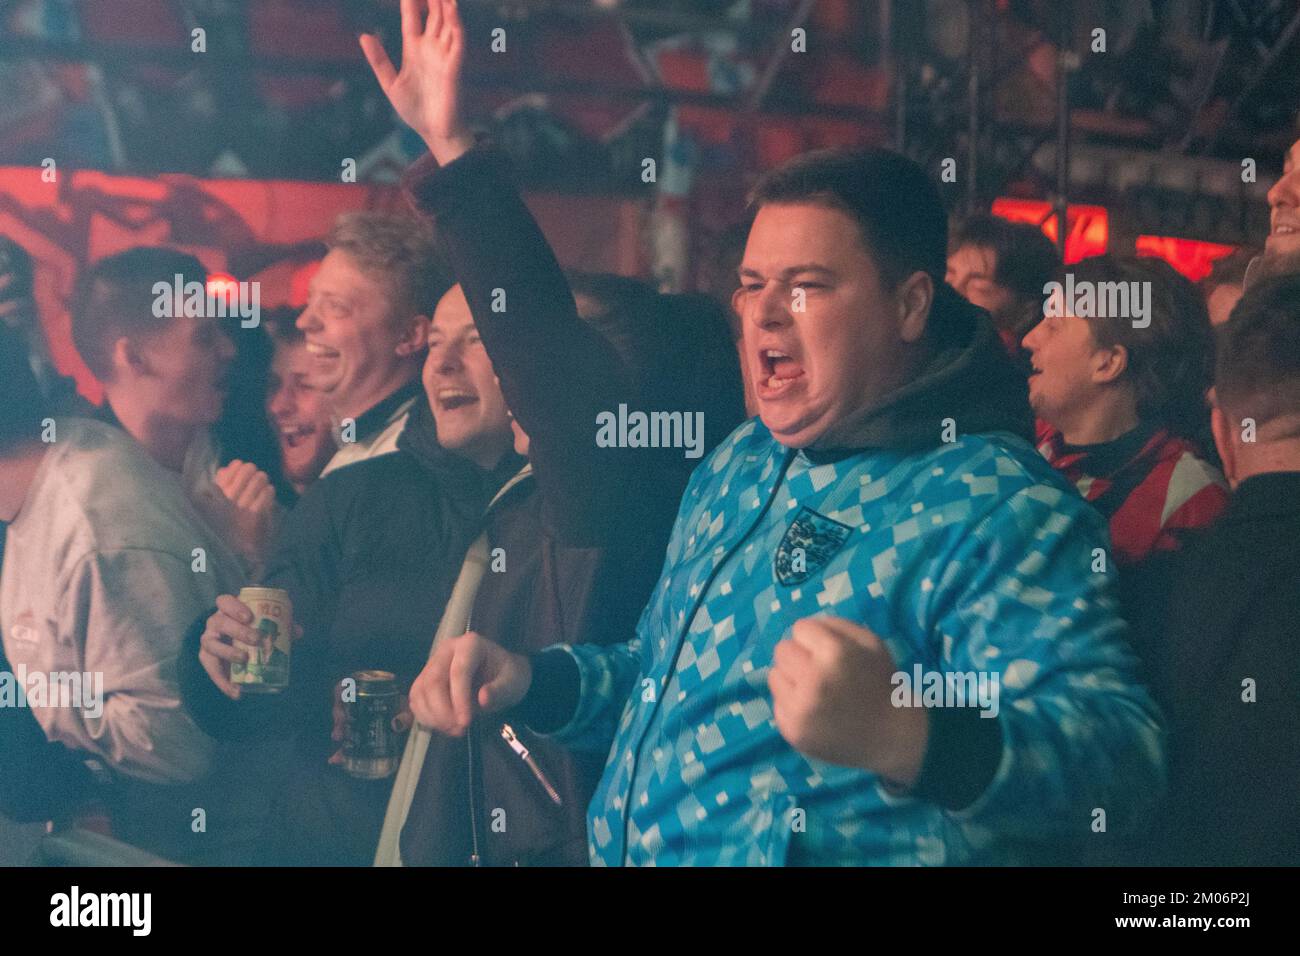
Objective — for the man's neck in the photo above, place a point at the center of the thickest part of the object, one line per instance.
(1104, 420)
(18, 468)
(165, 440)
(361, 401)
(1265, 458)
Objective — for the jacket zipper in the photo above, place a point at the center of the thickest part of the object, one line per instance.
(681, 641)
(476, 858)
(511, 738)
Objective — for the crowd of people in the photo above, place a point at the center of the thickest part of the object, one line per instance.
(967, 572)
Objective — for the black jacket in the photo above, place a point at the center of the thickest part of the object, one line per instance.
(368, 557)
(1206, 620)
(584, 537)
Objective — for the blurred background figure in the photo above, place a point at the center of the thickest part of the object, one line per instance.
(296, 410)
(1002, 267)
(1122, 410)
(19, 314)
(1219, 617)
(166, 382)
(1222, 288)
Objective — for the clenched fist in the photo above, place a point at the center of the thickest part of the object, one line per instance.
(831, 686)
(249, 507)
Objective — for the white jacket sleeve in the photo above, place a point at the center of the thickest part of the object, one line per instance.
(127, 611)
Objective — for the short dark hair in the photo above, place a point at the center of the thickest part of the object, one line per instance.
(1026, 260)
(892, 199)
(115, 297)
(281, 324)
(1257, 352)
(21, 404)
(1169, 360)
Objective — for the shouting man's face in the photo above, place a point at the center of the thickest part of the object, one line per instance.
(824, 339)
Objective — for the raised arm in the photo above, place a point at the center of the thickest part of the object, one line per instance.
(557, 373)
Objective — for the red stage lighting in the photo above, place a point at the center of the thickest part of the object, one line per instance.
(1191, 257)
(1089, 226)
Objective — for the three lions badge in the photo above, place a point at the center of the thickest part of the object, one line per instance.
(810, 541)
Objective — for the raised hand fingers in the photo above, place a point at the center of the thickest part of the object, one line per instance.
(412, 21)
(379, 62)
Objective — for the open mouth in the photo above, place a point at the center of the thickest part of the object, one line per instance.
(450, 399)
(321, 352)
(779, 371)
(294, 435)
(1285, 228)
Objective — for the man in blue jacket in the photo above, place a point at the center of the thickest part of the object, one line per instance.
(885, 631)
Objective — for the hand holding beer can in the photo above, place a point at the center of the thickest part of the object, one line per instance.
(267, 668)
(371, 747)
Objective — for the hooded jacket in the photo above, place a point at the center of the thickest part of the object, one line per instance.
(368, 557)
(949, 537)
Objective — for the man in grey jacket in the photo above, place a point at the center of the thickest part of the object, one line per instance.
(106, 562)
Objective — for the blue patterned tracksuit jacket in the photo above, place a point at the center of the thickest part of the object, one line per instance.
(972, 556)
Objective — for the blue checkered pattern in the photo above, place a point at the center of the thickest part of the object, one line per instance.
(973, 556)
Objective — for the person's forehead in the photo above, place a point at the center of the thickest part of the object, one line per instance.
(980, 260)
(340, 273)
(452, 314)
(789, 235)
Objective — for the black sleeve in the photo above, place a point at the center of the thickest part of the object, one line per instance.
(304, 562)
(553, 696)
(557, 372)
(39, 780)
(961, 758)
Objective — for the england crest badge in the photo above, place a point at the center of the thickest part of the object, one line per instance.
(810, 541)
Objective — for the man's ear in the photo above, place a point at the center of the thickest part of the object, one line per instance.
(415, 336)
(915, 296)
(128, 359)
(736, 298)
(1224, 439)
(1109, 364)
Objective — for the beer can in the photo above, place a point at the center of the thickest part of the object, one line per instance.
(371, 748)
(267, 668)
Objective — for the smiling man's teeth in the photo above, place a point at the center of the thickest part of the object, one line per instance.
(315, 349)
